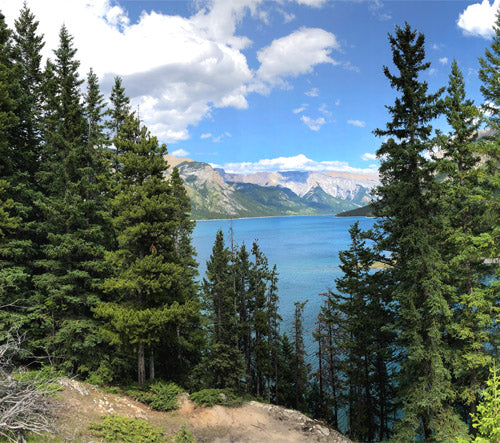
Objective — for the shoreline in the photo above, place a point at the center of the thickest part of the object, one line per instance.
(280, 216)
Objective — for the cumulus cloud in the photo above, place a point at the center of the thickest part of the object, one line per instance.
(295, 54)
(358, 123)
(299, 110)
(313, 124)
(368, 156)
(443, 60)
(206, 135)
(178, 69)
(296, 163)
(180, 153)
(313, 92)
(174, 84)
(478, 19)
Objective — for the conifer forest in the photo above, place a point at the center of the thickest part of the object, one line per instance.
(99, 277)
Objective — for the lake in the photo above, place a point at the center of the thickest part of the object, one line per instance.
(304, 248)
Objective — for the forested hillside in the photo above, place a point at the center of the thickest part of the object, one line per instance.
(99, 280)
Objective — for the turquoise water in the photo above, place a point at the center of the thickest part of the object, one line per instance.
(304, 248)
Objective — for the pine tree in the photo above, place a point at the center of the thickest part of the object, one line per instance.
(120, 108)
(301, 370)
(409, 211)
(259, 274)
(225, 359)
(148, 281)
(488, 74)
(241, 271)
(94, 111)
(14, 278)
(73, 210)
(464, 199)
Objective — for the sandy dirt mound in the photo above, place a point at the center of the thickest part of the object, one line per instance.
(253, 422)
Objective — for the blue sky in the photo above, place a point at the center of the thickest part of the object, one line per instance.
(264, 85)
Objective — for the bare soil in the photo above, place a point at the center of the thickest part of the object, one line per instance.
(79, 404)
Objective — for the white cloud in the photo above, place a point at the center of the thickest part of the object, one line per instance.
(478, 19)
(324, 110)
(313, 92)
(178, 69)
(443, 60)
(175, 69)
(180, 153)
(216, 139)
(297, 163)
(337, 102)
(313, 124)
(368, 156)
(299, 110)
(358, 123)
(312, 3)
(287, 16)
(295, 54)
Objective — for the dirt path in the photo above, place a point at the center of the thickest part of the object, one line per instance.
(79, 404)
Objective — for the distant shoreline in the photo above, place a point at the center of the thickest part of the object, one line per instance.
(280, 216)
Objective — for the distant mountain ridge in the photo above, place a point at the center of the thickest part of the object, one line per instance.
(215, 193)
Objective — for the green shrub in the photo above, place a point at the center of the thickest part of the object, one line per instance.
(164, 396)
(114, 428)
(102, 376)
(211, 397)
(160, 396)
(184, 436)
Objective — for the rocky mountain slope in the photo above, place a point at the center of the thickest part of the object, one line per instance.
(217, 194)
(79, 404)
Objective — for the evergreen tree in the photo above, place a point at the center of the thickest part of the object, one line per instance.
(259, 274)
(148, 280)
(241, 271)
(73, 211)
(94, 111)
(490, 169)
(355, 347)
(409, 210)
(301, 370)
(224, 359)
(464, 198)
(14, 277)
(120, 108)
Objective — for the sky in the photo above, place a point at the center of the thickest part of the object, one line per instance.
(264, 85)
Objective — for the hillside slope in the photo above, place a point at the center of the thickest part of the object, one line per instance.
(79, 404)
(213, 194)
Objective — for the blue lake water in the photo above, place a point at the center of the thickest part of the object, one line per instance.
(304, 248)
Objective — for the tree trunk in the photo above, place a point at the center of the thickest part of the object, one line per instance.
(151, 365)
(141, 365)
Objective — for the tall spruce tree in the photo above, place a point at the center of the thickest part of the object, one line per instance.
(490, 169)
(301, 369)
(354, 345)
(15, 206)
(120, 108)
(72, 208)
(464, 208)
(409, 210)
(148, 280)
(224, 361)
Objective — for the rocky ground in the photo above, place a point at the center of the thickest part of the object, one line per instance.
(79, 404)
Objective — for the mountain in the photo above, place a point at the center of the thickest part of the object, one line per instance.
(342, 185)
(364, 211)
(217, 194)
